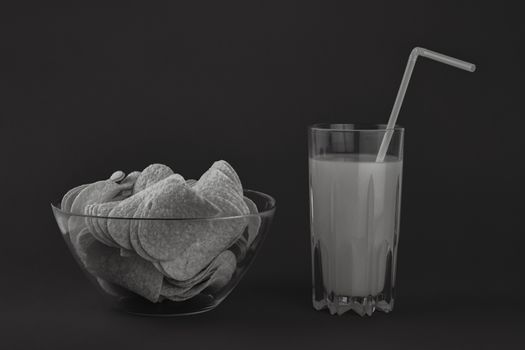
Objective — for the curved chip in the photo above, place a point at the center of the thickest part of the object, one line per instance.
(92, 223)
(119, 229)
(228, 170)
(150, 175)
(132, 273)
(97, 192)
(102, 211)
(69, 197)
(131, 179)
(202, 274)
(219, 189)
(83, 240)
(167, 239)
(133, 235)
(117, 176)
(222, 274)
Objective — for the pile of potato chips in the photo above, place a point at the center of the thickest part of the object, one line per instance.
(161, 236)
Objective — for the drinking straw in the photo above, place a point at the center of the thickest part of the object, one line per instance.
(416, 52)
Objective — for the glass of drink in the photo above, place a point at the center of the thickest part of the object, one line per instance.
(354, 216)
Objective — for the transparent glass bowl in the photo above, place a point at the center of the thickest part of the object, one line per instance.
(128, 275)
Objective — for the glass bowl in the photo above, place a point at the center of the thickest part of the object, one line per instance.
(132, 281)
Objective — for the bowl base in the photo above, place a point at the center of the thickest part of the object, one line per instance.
(140, 307)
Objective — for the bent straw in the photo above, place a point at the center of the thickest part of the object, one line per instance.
(416, 52)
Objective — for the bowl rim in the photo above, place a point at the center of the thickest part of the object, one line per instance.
(266, 212)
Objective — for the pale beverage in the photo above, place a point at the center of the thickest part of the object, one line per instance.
(354, 213)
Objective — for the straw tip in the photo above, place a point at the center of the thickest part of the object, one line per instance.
(472, 68)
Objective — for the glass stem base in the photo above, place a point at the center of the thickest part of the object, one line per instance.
(338, 304)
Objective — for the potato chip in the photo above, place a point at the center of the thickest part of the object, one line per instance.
(90, 224)
(95, 193)
(94, 227)
(150, 192)
(133, 235)
(225, 267)
(167, 239)
(119, 229)
(178, 292)
(227, 169)
(127, 186)
(131, 179)
(69, 197)
(172, 287)
(225, 270)
(219, 189)
(169, 290)
(83, 240)
(123, 195)
(132, 273)
(150, 175)
(102, 210)
(203, 247)
(206, 271)
(98, 192)
(137, 247)
(240, 246)
(194, 244)
(117, 176)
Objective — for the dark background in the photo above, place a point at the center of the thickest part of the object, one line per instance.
(86, 90)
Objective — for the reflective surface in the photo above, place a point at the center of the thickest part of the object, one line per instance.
(355, 206)
(133, 282)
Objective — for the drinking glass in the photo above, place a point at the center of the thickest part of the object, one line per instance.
(355, 205)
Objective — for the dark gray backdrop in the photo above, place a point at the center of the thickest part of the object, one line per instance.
(86, 90)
